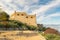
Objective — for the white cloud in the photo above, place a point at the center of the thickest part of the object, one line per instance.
(35, 1)
(44, 8)
(54, 15)
(49, 17)
(41, 11)
(7, 0)
(11, 5)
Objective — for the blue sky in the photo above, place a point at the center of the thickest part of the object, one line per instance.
(47, 11)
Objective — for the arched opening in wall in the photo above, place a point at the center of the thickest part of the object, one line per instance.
(22, 14)
(31, 17)
(26, 16)
(18, 14)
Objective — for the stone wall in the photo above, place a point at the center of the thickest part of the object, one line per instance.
(23, 17)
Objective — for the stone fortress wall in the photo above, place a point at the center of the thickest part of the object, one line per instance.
(24, 18)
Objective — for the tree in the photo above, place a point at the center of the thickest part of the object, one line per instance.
(41, 27)
(4, 16)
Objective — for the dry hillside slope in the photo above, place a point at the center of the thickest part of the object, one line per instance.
(20, 35)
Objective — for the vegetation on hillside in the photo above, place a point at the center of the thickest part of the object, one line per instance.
(3, 16)
(6, 24)
(16, 25)
(41, 27)
(51, 36)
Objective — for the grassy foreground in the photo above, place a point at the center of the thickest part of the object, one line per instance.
(51, 36)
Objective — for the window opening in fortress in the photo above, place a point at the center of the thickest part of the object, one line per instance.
(31, 17)
(26, 16)
(22, 14)
(18, 14)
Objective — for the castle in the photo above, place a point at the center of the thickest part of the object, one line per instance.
(24, 18)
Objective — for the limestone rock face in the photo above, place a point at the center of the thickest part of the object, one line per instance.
(20, 35)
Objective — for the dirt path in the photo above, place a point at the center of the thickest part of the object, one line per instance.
(20, 35)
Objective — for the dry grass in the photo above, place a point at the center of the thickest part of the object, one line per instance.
(20, 35)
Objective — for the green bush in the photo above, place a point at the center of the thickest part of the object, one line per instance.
(42, 28)
(32, 28)
(18, 24)
(1, 25)
(4, 16)
(12, 24)
(52, 36)
(23, 26)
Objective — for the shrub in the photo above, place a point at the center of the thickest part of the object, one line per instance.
(4, 16)
(12, 25)
(32, 28)
(42, 28)
(52, 36)
(23, 26)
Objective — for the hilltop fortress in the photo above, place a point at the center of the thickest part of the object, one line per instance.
(24, 18)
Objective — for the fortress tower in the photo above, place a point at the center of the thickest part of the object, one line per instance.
(24, 18)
